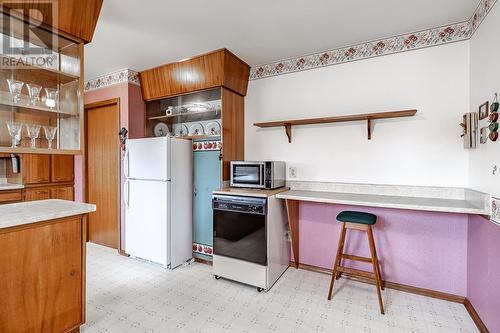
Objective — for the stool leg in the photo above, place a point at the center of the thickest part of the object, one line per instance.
(340, 249)
(376, 271)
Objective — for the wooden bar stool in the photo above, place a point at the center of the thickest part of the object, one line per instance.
(362, 222)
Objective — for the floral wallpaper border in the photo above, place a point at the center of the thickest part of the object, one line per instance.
(385, 46)
(207, 145)
(122, 76)
(203, 249)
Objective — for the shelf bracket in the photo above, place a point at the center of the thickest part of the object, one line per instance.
(369, 128)
(288, 131)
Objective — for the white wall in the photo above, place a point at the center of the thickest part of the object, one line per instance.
(421, 150)
(485, 81)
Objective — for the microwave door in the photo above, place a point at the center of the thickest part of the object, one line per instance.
(247, 175)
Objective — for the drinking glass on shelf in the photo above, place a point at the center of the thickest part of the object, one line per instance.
(15, 88)
(33, 133)
(34, 92)
(14, 132)
(50, 134)
(51, 97)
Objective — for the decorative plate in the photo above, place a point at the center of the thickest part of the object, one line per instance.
(196, 129)
(199, 107)
(212, 128)
(161, 129)
(181, 130)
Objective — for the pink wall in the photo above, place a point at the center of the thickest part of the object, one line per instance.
(132, 111)
(416, 248)
(483, 278)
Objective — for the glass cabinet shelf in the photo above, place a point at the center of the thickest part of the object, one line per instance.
(41, 91)
(190, 116)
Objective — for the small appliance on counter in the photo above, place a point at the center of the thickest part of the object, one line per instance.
(158, 200)
(260, 175)
(250, 239)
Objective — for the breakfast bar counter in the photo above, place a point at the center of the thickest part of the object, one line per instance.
(388, 201)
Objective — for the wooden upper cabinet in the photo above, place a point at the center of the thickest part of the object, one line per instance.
(220, 68)
(61, 168)
(77, 18)
(36, 169)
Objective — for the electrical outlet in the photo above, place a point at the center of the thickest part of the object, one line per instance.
(292, 172)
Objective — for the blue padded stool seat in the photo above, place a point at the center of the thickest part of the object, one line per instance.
(357, 217)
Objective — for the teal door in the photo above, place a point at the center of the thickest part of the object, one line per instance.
(207, 174)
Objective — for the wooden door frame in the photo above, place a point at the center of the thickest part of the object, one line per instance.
(94, 105)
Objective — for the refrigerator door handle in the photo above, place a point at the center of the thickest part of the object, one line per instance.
(126, 195)
(126, 164)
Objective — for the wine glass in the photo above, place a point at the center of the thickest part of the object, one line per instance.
(33, 133)
(15, 88)
(14, 132)
(51, 97)
(50, 134)
(34, 92)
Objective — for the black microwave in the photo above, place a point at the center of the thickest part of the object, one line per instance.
(260, 175)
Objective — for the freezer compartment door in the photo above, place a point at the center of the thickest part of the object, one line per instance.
(147, 159)
(147, 220)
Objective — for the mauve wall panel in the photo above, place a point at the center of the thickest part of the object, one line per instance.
(416, 248)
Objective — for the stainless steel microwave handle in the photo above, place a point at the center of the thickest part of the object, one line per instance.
(262, 175)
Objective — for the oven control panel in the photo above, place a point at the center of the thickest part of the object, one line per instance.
(240, 204)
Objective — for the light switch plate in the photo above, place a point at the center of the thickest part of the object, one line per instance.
(292, 172)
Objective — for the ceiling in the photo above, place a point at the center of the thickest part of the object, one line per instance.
(143, 34)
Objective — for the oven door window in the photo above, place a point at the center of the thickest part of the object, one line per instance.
(240, 236)
(247, 174)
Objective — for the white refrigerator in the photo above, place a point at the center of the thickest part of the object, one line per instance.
(158, 200)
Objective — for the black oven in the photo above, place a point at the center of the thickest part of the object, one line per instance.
(240, 228)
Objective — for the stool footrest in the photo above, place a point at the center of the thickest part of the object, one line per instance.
(356, 272)
(356, 258)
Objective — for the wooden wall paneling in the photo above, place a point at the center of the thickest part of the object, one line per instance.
(233, 130)
(42, 277)
(61, 168)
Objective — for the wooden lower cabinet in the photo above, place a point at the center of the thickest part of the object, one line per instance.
(10, 196)
(63, 193)
(36, 194)
(42, 276)
(45, 193)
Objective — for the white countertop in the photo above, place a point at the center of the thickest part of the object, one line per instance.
(16, 214)
(387, 201)
(248, 192)
(8, 187)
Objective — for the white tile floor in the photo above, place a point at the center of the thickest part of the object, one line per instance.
(125, 295)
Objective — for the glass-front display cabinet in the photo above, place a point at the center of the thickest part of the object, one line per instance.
(191, 116)
(41, 102)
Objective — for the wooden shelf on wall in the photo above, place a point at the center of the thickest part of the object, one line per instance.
(287, 124)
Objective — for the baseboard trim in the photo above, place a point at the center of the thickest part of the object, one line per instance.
(475, 316)
(203, 261)
(392, 285)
